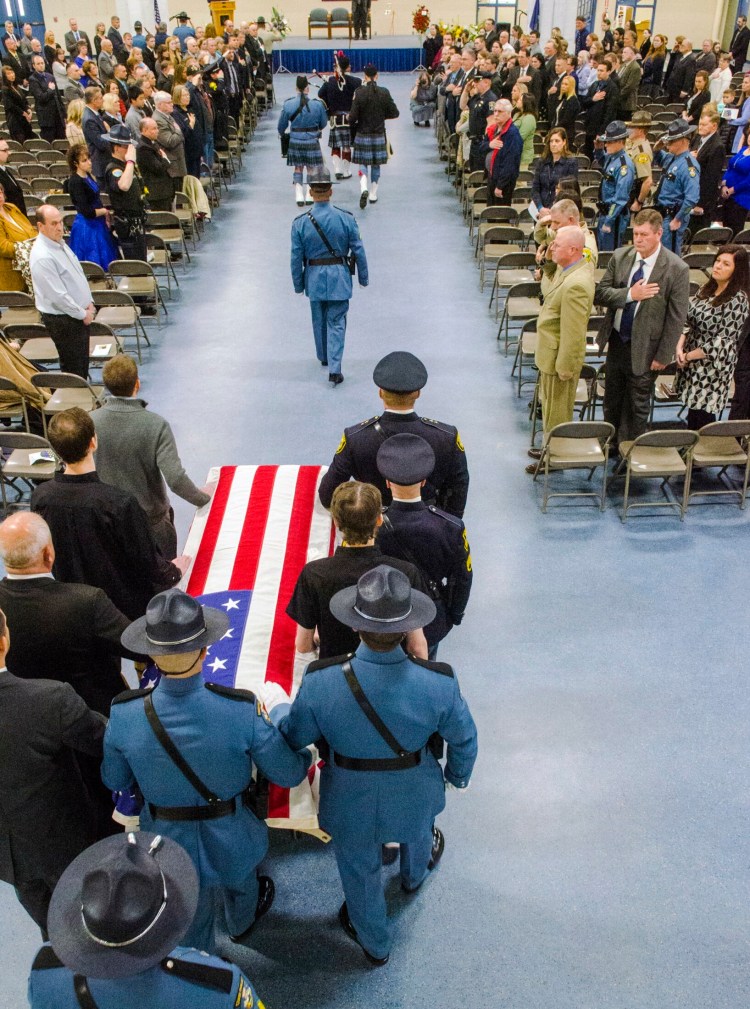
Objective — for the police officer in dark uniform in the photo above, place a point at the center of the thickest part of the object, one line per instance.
(400, 376)
(196, 781)
(337, 93)
(481, 104)
(122, 181)
(434, 541)
(116, 920)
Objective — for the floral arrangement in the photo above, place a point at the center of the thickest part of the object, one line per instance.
(420, 19)
(456, 31)
(279, 23)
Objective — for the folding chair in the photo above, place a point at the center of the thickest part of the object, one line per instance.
(117, 310)
(167, 226)
(708, 240)
(497, 241)
(67, 391)
(183, 210)
(477, 202)
(521, 303)
(137, 279)
(37, 144)
(60, 200)
(512, 268)
(593, 329)
(38, 347)
(14, 413)
(663, 392)
(45, 184)
(30, 170)
(700, 264)
(525, 351)
(96, 277)
(491, 216)
(18, 465)
(577, 445)
(160, 260)
(17, 307)
(51, 157)
(657, 455)
(721, 444)
(602, 262)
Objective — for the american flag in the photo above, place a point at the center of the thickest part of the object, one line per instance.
(157, 14)
(248, 547)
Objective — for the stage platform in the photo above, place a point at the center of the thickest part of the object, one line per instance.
(390, 53)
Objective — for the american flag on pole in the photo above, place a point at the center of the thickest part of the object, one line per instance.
(157, 15)
(264, 523)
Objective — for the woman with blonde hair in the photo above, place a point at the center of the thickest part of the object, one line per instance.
(50, 48)
(74, 124)
(173, 52)
(568, 109)
(111, 109)
(99, 34)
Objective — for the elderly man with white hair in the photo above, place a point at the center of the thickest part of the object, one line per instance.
(171, 137)
(561, 330)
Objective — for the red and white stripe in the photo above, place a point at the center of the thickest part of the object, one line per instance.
(264, 523)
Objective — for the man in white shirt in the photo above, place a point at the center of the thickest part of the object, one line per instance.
(61, 292)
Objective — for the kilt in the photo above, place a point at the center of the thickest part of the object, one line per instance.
(370, 149)
(340, 135)
(304, 150)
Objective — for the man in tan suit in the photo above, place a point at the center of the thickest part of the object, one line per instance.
(561, 330)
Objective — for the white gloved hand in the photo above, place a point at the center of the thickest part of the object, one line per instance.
(454, 788)
(301, 661)
(271, 694)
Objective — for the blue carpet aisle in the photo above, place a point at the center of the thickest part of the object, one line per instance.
(600, 858)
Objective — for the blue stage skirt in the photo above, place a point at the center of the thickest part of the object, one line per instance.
(93, 241)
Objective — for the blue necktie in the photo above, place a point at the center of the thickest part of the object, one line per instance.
(628, 313)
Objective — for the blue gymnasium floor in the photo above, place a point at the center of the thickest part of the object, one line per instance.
(600, 859)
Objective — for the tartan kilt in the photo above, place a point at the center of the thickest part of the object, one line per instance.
(340, 135)
(304, 150)
(370, 149)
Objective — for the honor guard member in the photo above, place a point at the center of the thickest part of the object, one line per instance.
(371, 107)
(338, 93)
(379, 718)
(639, 150)
(305, 118)
(122, 181)
(195, 780)
(481, 105)
(325, 243)
(116, 920)
(431, 539)
(615, 189)
(679, 187)
(400, 376)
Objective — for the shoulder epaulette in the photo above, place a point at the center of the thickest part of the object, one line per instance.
(362, 425)
(337, 660)
(130, 695)
(437, 667)
(300, 216)
(219, 978)
(448, 428)
(453, 519)
(343, 210)
(46, 959)
(233, 693)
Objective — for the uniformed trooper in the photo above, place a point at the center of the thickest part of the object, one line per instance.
(337, 93)
(618, 176)
(679, 187)
(190, 746)
(639, 150)
(480, 105)
(375, 716)
(430, 538)
(122, 181)
(304, 117)
(325, 245)
(116, 920)
(400, 376)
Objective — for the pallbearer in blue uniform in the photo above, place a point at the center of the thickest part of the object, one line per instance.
(616, 187)
(305, 117)
(190, 747)
(116, 920)
(374, 717)
(680, 184)
(323, 242)
(423, 534)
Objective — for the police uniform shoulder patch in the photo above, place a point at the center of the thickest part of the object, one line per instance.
(624, 170)
(117, 173)
(437, 667)
(46, 959)
(337, 660)
(342, 444)
(642, 159)
(691, 172)
(130, 695)
(447, 428)
(453, 519)
(586, 254)
(233, 693)
(219, 978)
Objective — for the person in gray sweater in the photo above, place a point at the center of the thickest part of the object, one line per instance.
(136, 451)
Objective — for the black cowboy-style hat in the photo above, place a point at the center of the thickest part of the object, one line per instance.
(616, 130)
(174, 623)
(383, 602)
(120, 134)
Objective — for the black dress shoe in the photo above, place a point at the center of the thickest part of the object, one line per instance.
(438, 847)
(266, 893)
(324, 364)
(389, 854)
(363, 199)
(335, 379)
(339, 175)
(376, 961)
(535, 453)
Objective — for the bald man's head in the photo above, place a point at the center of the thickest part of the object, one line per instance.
(26, 544)
(567, 247)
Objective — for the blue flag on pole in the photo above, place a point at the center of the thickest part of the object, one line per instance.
(534, 19)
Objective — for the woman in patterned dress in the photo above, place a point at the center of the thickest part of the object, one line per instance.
(707, 350)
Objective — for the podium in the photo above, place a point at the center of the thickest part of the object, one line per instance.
(221, 11)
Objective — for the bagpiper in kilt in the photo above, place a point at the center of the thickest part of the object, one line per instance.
(371, 107)
(338, 93)
(305, 118)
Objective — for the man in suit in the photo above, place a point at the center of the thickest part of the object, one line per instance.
(149, 53)
(107, 61)
(582, 30)
(706, 58)
(15, 61)
(74, 88)
(629, 76)
(524, 73)
(645, 291)
(13, 192)
(9, 33)
(46, 817)
(709, 153)
(451, 89)
(114, 36)
(47, 100)
(739, 44)
(682, 78)
(553, 95)
(74, 36)
(95, 133)
(25, 42)
(561, 330)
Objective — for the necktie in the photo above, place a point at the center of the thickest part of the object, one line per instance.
(78, 37)
(628, 313)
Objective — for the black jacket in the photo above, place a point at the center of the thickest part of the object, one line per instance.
(155, 170)
(371, 107)
(710, 157)
(598, 114)
(739, 47)
(13, 192)
(682, 77)
(49, 112)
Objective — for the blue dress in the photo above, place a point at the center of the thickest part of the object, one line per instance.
(90, 238)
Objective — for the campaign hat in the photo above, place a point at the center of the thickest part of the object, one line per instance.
(383, 602)
(174, 623)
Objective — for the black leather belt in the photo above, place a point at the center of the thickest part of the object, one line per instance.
(213, 811)
(400, 763)
(304, 129)
(327, 261)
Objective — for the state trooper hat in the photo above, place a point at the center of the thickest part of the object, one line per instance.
(122, 905)
(616, 130)
(174, 623)
(320, 178)
(405, 459)
(120, 134)
(383, 602)
(641, 120)
(678, 129)
(400, 371)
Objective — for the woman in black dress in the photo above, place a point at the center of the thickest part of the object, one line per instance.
(17, 111)
(185, 119)
(568, 110)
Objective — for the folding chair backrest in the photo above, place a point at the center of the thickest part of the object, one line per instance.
(19, 439)
(667, 439)
(525, 289)
(26, 331)
(59, 380)
(711, 236)
(583, 429)
(162, 219)
(130, 268)
(699, 260)
(516, 260)
(16, 299)
(726, 429)
(503, 233)
(507, 214)
(100, 331)
(7, 386)
(111, 299)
